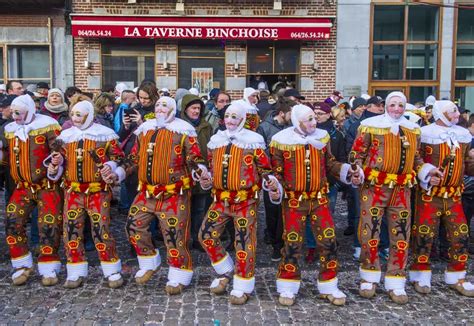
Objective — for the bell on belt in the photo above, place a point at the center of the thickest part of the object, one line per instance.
(300, 198)
(181, 191)
(16, 149)
(256, 195)
(49, 185)
(391, 184)
(32, 190)
(319, 195)
(286, 195)
(410, 185)
(215, 198)
(226, 202)
(428, 193)
(147, 194)
(372, 182)
(87, 191)
(62, 184)
(405, 142)
(138, 188)
(237, 199)
(150, 149)
(445, 196)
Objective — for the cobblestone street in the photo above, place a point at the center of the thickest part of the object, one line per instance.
(96, 304)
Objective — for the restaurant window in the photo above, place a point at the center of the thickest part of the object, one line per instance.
(274, 62)
(28, 63)
(405, 48)
(464, 59)
(201, 67)
(128, 63)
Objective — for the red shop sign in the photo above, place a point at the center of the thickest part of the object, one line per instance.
(230, 28)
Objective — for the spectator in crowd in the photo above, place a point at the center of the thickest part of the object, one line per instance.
(15, 87)
(216, 116)
(42, 89)
(338, 114)
(132, 119)
(211, 103)
(55, 106)
(70, 92)
(294, 95)
(263, 105)
(127, 100)
(334, 98)
(276, 121)
(104, 108)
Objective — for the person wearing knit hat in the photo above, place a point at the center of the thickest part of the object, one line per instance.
(90, 153)
(302, 161)
(446, 145)
(55, 106)
(238, 164)
(29, 140)
(167, 156)
(387, 146)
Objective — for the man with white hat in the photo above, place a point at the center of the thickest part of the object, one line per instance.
(89, 158)
(446, 145)
(387, 147)
(302, 161)
(238, 163)
(166, 153)
(30, 137)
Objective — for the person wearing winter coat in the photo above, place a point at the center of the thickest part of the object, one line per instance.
(55, 106)
(192, 111)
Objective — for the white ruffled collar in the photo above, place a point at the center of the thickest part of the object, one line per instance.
(435, 134)
(178, 126)
(291, 137)
(384, 121)
(245, 139)
(95, 132)
(23, 131)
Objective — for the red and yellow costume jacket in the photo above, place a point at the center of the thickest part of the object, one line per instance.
(237, 166)
(85, 153)
(301, 167)
(388, 158)
(28, 146)
(448, 149)
(165, 157)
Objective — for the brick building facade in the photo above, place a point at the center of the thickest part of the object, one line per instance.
(103, 60)
(34, 43)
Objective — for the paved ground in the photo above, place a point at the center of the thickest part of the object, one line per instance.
(95, 304)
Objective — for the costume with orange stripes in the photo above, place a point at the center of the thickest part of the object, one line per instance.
(164, 154)
(237, 161)
(302, 163)
(88, 196)
(28, 145)
(388, 151)
(448, 148)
